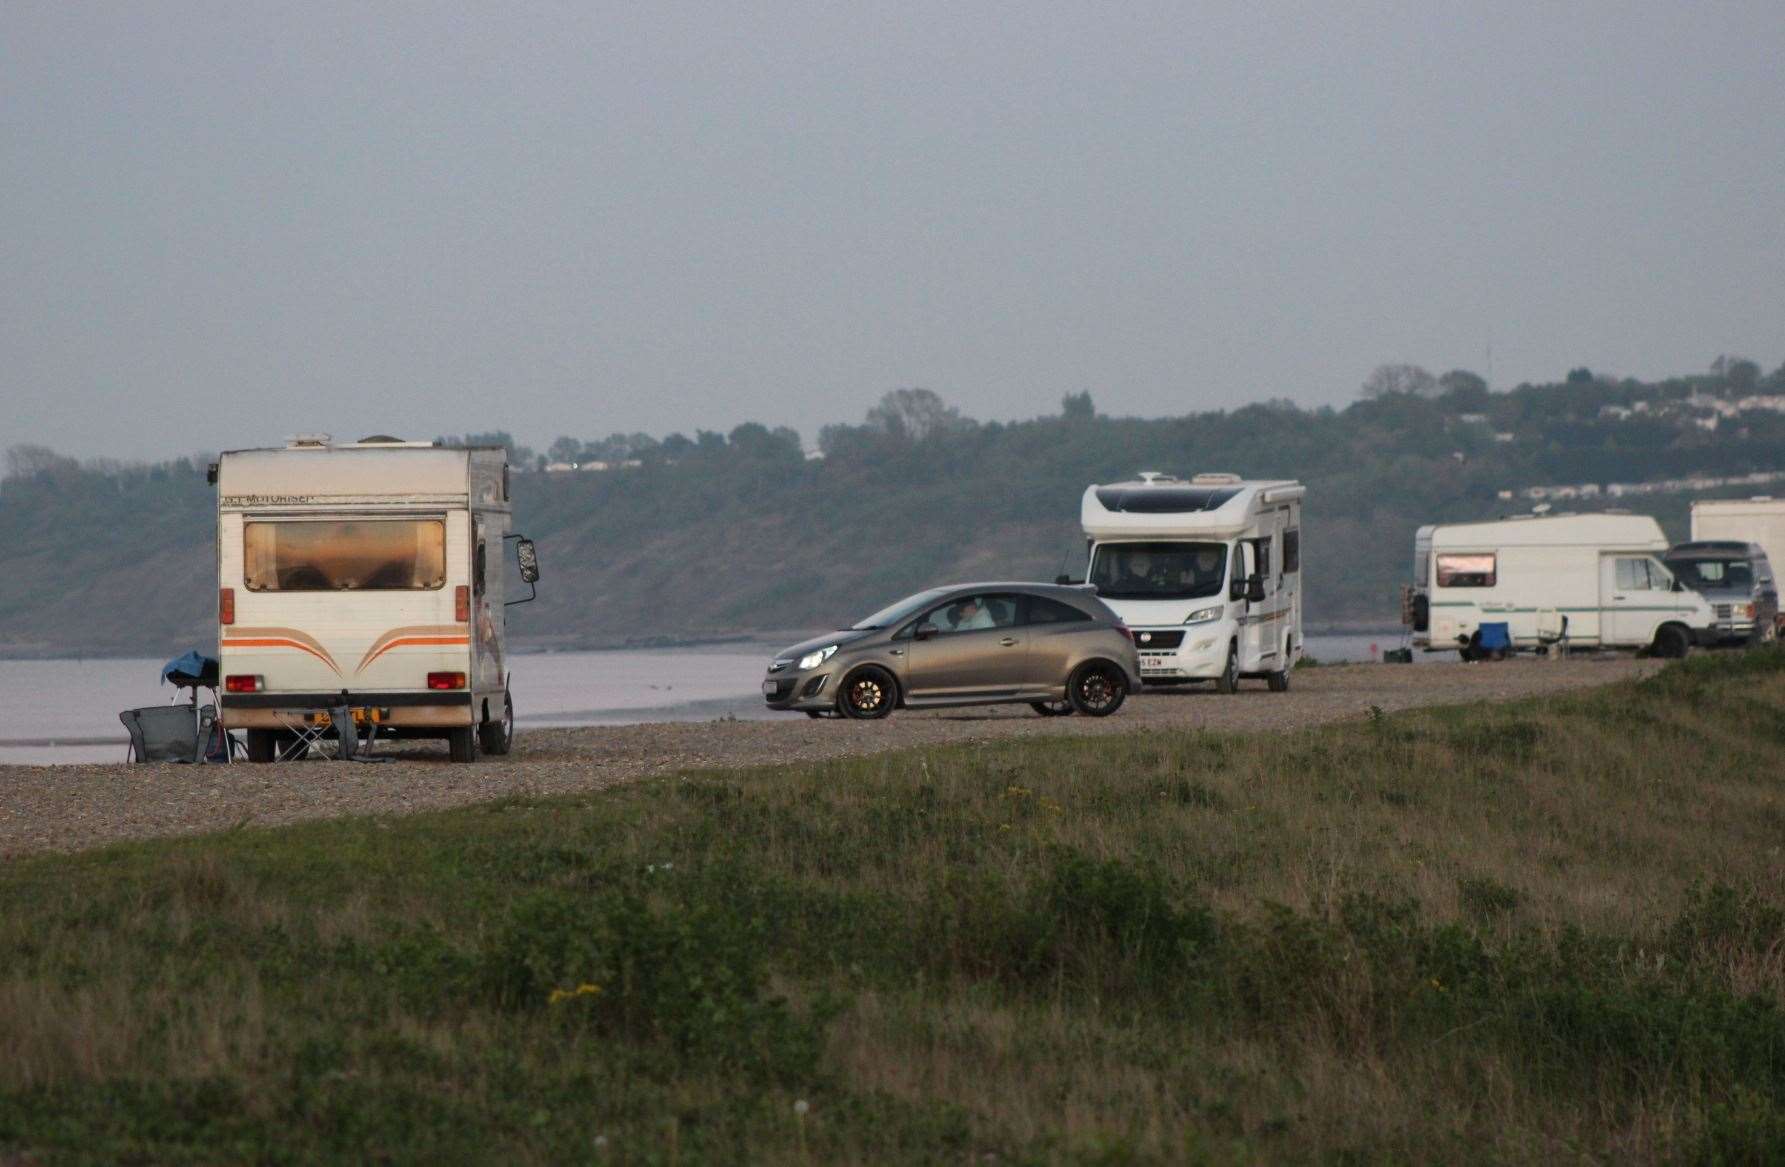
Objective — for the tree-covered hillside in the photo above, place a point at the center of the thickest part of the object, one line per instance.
(683, 538)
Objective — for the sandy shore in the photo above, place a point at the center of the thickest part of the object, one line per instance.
(70, 808)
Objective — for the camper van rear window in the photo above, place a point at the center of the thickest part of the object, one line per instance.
(345, 555)
(1466, 571)
(1163, 500)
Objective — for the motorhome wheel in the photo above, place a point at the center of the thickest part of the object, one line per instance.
(497, 737)
(462, 743)
(1671, 641)
(1229, 680)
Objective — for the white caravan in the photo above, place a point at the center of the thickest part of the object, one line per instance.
(1207, 573)
(368, 576)
(1584, 580)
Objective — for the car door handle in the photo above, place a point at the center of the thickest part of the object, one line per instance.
(896, 652)
(1008, 641)
(1617, 597)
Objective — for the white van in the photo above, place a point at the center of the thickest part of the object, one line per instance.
(367, 575)
(1206, 572)
(1581, 580)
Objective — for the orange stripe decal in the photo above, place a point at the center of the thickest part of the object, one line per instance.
(280, 638)
(420, 634)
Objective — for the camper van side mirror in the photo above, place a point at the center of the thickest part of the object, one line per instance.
(528, 557)
(1254, 589)
(1236, 589)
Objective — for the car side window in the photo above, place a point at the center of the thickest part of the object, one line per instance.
(975, 613)
(1045, 611)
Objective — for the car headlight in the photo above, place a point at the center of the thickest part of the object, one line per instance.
(813, 659)
(1204, 615)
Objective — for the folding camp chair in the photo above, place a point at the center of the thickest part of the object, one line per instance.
(163, 733)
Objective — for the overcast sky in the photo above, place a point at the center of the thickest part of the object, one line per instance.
(220, 225)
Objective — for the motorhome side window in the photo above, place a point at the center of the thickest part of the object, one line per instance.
(1292, 551)
(345, 555)
(1466, 571)
(1641, 575)
(1264, 555)
(478, 568)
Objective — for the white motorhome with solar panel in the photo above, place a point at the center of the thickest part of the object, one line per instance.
(1205, 571)
(1592, 581)
(367, 576)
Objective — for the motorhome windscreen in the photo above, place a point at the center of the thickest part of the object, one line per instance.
(1713, 575)
(1158, 571)
(344, 555)
(1163, 500)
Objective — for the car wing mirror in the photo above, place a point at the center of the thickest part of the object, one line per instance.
(1254, 589)
(924, 631)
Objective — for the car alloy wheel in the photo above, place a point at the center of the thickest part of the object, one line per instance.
(868, 694)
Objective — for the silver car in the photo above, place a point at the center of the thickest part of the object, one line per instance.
(1059, 649)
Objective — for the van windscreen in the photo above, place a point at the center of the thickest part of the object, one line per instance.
(344, 555)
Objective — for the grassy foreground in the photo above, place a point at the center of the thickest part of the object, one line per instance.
(1527, 932)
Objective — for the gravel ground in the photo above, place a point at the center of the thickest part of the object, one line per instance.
(69, 808)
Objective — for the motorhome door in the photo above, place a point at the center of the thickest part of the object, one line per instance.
(1632, 589)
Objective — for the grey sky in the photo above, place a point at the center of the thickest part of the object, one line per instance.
(220, 225)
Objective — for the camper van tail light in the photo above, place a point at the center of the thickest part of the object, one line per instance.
(446, 681)
(226, 605)
(243, 683)
(461, 604)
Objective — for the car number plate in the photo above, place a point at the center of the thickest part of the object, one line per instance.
(770, 688)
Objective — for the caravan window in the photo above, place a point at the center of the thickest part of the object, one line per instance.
(1466, 571)
(1292, 551)
(344, 555)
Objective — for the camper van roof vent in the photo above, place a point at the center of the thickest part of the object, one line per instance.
(308, 442)
(1216, 479)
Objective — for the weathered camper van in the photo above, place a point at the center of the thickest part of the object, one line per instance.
(1207, 573)
(368, 575)
(1587, 580)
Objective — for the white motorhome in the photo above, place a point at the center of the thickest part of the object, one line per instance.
(1593, 580)
(369, 576)
(1206, 572)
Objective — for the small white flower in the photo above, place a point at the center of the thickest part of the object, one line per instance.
(801, 1106)
(600, 1142)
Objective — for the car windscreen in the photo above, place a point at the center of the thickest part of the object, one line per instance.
(344, 555)
(905, 608)
(1713, 574)
(1158, 571)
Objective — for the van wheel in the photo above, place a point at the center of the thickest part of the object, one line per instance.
(868, 694)
(1671, 641)
(1229, 680)
(496, 737)
(263, 745)
(1096, 690)
(1278, 681)
(1051, 708)
(462, 743)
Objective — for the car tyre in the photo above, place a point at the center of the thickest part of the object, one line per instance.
(1097, 689)
(1671, 642)
(1229, 680)
(1278, 681)
(1051, 708)
(461, 743)
(868, 694)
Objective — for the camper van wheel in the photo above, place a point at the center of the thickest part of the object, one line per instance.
(495, 737)
(1671, 641)
(462, 743)
(263, 745)
(1279, 680)
(1229, 680)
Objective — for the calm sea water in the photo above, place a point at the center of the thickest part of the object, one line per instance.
(66, 711)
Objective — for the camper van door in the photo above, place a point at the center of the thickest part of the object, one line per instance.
(1631, 589)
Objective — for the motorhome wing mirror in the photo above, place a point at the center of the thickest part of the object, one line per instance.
(1254, 589)
(528, 557)
(1236, 590)
(924, 631)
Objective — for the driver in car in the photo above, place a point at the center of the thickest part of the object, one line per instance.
(967, 615)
